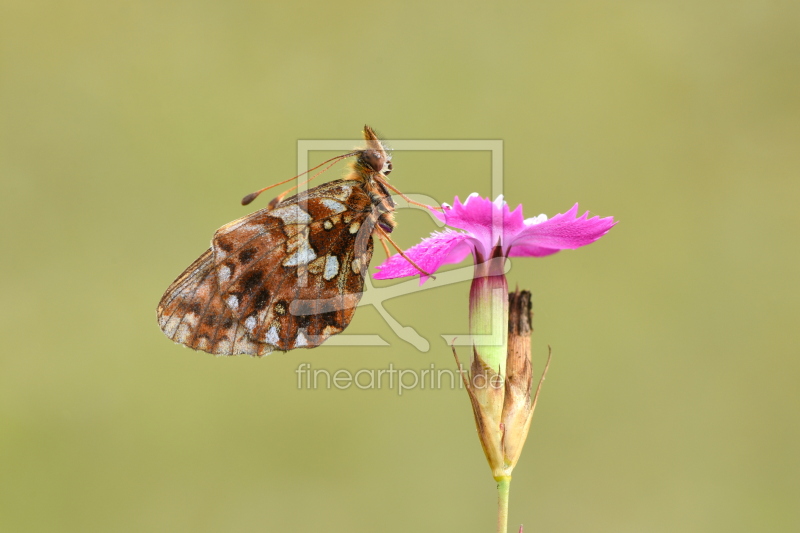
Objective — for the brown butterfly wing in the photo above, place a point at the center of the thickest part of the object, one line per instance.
(192, 313)
(293, 275)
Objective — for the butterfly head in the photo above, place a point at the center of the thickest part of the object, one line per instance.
(375, 157)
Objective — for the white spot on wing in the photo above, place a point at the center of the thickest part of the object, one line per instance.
(202, 292)
(301, 340)
(224, 273)
(330, 330)
(232, 302)
(303, 256)
(354, 227)
(291, 214)
(202, 344)
(242, 343)
(250, 323)
(171, 325)
(224, 345)
(272, 336)
(333, 205)
(331, 267)
(342, 193)
(299, 250)
(183, 333)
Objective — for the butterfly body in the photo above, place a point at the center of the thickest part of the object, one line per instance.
(287, 276)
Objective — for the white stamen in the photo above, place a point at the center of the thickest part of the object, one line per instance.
(471, 196)
(536, 220)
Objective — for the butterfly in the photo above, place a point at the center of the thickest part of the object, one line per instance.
(290, 275)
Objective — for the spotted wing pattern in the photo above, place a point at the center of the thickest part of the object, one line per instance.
(192, 313)
(282, 278)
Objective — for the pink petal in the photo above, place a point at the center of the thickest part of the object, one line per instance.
(433, 252)
(563, 231)
(521, 250)
(486, 220)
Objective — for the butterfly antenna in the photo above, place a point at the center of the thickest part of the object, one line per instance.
(275, 201)
(253, 195)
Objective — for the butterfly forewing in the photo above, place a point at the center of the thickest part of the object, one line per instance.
(282, 278)
(192, 313)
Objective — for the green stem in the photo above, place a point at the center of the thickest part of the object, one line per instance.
(502, 504)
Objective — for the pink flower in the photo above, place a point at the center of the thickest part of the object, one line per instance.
(487, 224)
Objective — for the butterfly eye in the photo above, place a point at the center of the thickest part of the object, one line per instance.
(373, 160)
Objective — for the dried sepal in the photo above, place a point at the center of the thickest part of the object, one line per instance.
(503, 407)
(486, 397)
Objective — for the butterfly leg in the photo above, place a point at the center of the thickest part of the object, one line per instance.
(406, 198)
(383, 235)
(385, 247)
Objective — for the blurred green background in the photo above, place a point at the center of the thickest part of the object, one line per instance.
(130, 130)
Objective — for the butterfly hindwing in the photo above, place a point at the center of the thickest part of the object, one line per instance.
(293, 275)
